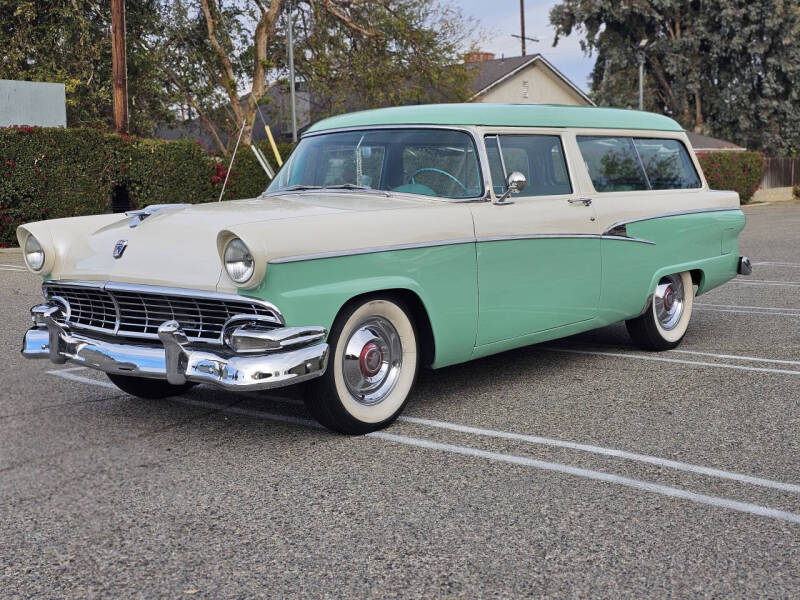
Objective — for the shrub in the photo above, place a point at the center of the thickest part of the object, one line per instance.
(739, 171)
(56, 172)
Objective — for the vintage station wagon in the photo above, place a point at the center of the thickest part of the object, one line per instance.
(392, 240)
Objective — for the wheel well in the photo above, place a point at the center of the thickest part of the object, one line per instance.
(697, 276)
(419, 314)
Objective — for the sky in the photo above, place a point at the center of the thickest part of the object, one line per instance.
(498, 19)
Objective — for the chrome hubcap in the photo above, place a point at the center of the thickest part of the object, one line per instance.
(669, 301)
(373, 357)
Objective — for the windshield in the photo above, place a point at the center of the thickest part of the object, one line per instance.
(430, 162)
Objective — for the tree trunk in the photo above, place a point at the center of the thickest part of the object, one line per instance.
(118, 67)
(698, 113)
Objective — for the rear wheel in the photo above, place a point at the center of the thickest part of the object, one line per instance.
(148, 389)
(374, 362)
(664, 324)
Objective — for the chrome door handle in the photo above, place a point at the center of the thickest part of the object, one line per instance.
(584, 201)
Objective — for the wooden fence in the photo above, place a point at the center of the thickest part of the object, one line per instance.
(781, 172)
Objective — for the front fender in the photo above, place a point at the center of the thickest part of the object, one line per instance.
(312, 292)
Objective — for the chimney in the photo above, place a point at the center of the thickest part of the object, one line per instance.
(476, 57)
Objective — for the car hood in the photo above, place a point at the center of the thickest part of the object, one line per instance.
(180, 246)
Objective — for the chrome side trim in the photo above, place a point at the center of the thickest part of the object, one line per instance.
(370, 250)
(620, 233)
(433, 244)
(669, 214)
(536, 236)
(627, 238)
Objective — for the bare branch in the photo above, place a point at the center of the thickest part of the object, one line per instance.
(332, 9)
(229, 81)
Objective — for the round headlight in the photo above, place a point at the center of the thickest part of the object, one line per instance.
(239, 262)
(34, 254)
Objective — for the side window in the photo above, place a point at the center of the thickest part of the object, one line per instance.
(612, 164)
(539, 157)
(667, 164)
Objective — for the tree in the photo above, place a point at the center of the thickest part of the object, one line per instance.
(352, 53)
(68, 41)
(729, 68)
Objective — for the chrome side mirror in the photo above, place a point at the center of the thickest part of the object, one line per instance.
(515, 183)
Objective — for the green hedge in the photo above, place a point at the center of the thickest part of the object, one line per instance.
(55, 172)
(740, 171)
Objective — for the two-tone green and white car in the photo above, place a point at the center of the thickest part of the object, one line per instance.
(392, 240)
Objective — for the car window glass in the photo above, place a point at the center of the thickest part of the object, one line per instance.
(540, 158)
(433, 162)
(667, 164)
(612, 163)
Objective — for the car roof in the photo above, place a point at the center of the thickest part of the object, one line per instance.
(501, 115)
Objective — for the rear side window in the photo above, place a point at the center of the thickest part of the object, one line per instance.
(667, 164)
(623, 164)
(539, 157)
(613, 164)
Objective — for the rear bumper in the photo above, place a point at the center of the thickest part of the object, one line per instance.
(174, 359)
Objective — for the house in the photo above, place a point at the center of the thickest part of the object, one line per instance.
(705, 143)
(528, 79)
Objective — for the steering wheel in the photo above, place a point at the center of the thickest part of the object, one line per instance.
(440, 172)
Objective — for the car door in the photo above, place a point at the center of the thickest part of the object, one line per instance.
(538, 257)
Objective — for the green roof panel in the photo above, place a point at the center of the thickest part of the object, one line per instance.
(501, 115)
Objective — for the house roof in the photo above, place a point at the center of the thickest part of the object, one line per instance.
(705, 143)
(489, 73)
(511, 115)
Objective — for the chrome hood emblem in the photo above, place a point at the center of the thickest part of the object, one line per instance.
(119, 248)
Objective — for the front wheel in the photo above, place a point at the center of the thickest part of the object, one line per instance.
(664, 324)
(374, 362)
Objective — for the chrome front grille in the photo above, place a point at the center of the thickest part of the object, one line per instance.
(135, 311)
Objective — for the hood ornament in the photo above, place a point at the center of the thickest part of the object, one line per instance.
(140, 215)
(119, 248)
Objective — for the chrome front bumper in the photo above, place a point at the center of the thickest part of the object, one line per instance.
(294, 354)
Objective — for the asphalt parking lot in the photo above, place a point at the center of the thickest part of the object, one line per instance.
(578, 468)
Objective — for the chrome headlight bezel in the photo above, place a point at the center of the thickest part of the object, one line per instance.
(238, 261)
(34, 254)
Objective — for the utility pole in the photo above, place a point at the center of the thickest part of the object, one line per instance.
(118, 67)
(290, 39)
(640, 55)
(522, 24)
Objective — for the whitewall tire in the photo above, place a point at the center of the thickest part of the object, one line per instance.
(373, 365)
(664, 323)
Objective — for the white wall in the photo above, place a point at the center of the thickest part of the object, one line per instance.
(32, 103)
(535, 84)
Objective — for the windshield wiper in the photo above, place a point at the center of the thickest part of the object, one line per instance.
(358, 188)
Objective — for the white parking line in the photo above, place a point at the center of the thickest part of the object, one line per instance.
(64, 373)
(776, 264)
(765, 282)
(644, 458)
(14, 269)
(750, 312)
(664, 490)
(655, 488)
(737, 357)
(695, 363)
(747, 307)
